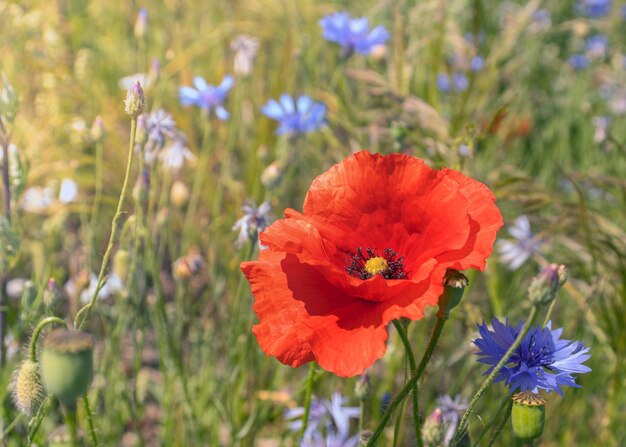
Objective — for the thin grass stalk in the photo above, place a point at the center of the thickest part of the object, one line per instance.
(83, 314)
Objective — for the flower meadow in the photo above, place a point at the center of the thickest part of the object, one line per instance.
(313, 223)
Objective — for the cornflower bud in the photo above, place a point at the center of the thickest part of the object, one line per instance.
(433, 430)
(67, 364)
(141, 23)
(363, 388)
(135, 100)
(28, 391)
(51, 294)
(547, 283)
(97, 130)
(179, 194)
(528, 415)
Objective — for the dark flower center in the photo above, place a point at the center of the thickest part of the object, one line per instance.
(365, 264)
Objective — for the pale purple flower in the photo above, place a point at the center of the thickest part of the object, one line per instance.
(525, 244)
(452, 409)
(254, 220)
(245, 49)
(174, 156)
(298, 116)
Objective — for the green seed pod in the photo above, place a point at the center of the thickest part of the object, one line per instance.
(28, 391)
(454, 283)
(528, 415)
(67, 364)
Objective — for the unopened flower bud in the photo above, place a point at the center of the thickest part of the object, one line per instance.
(179, 194)
(51, 294)
(67, 364)
(135, 101)
(28, 391)
(121, 263)
(528, 416)
(454, 283)
(546, 284)
(433, 430)
(272, 174)
(141, 23)
(97, 130)
(363, 388)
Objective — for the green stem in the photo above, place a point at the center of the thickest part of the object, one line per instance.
(115, 230)
(502, 423)
(307, 398)
(491, 423)
(432, 344)
(411, 357)
(35, 423)
(92, 430)
(70, 422)
(549, 314)
(11, 426)
(95, 210)
(37, 332)
(490, 378)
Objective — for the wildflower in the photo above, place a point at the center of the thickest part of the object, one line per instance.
(477, 63)
(457, 82)
(443, 82)
(595, 46)
(97, 129)
(541, 361)
(253, 221)
(68, 190)
(295, 117)
(352, 34)
(594, 9)
(541, 20)
(37, 199)
(175, 155)
(135, 101)
(245, 49)
(578, 62)
(328, 424)
(451, 411)
(372, 245)
(526, 244)
(207, 97)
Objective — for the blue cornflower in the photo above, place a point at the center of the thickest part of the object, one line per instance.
(526, 244)
(452, 410)
(352, 34)
(578, 61)
(300, 116)
(477, 63)
(328, 424)
(595, 9)
(458, 82)
(207, 97)
(541, 361)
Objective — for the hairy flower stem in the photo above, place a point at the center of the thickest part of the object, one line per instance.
(432, 344)
(502, 423)
(307, 398)
(490, 378)
(70, 423)
(37, 332)
(493, 421)
(83, 314)
(6, 199)
(411, 357)
(35, 423)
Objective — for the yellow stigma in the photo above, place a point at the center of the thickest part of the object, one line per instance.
(376, 266)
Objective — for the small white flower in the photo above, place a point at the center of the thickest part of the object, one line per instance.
(68, 190)
(526, 244)
(37, 199)
(174, 156)
(245, 48)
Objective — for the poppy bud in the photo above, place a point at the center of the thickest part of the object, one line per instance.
(363, 388)
(51, 294)
(67, 364)
(28, 391)
(454, 283)
(528, 415)
(179, 194)
(547, 283)
(433, 430)
(135, 101)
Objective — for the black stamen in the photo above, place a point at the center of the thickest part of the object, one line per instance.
(395, 264)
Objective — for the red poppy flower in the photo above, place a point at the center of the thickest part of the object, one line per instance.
(372, 244)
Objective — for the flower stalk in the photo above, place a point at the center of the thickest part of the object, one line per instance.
(307, 398)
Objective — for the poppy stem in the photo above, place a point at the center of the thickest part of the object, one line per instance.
(411, 358)
(307, 398)
(434, 339)
(490, 378)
